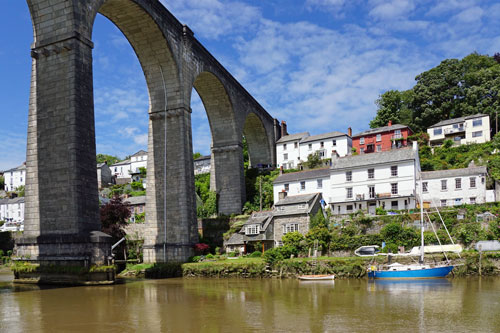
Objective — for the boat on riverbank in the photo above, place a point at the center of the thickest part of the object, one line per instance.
(317, 277)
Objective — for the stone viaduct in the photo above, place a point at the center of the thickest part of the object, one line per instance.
(62, 208)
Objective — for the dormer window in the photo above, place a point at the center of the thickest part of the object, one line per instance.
(252, 229)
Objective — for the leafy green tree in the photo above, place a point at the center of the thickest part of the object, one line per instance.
(393, 105)
(293, 239)
(20, 191)
(313, 160)
(2, 182)
(143, 172)
(318, 220)
(196, 155)
(321, 234)
(110, 159)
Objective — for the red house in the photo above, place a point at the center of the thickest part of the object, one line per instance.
(382, 138)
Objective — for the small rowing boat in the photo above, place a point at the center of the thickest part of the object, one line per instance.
(316, 277)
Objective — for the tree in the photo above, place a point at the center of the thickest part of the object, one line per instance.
(110, 159)
(318, 220)
(20, 191)
(143, 172)
(453, 89)
(313, 160)
(2, 182)
(114, 217)
(196, 155)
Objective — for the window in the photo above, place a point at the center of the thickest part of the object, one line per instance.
(371, 173)
(295, 145)
(379, 137)
(321, 153)
(472, 182)
(477, 134)
(287, 187)
(319, 183)
(394, 188)
(334, 142)
(477, 122)
(394, 204)
(458, 183)
(444, 185)
(362, 141)
(290, 227)
(424, 187)
(285, 157)
(284, 146)
(349, 208)
(443, 203)
(379, 148)
(438, 131)
(310, 146)
(21, 179)
(473, 200)
(349, 193)
(457, 138)
(458, 201)
(371, 191)
(397, 134)
(348, 176)
(302, 185)
(322, 144)
(394, 170)
(252, 229)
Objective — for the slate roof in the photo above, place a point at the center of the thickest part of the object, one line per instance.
(121, 163)
(140, 200)
(296, 199)
(7, 201)
(100, 165)
(394, 155)
(381, 130)
(201, 158)
(140, 153)
(454, 172)
(457, 120)
(329, 135)
(293, 137)
(302, 175)
(18, 168)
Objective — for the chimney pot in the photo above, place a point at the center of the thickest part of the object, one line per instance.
(390, 123)
(349, 131)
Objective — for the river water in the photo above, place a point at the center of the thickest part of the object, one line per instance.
(254, 305)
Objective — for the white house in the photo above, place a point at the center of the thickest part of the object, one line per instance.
(15, 177)
(303, 182)
(202, 165)
(121, 169)
(326, 145)
(367, 181)
(12, 210)
(138, 160)
(104, 176)
(454, 187)
(288, 150)
(470, 129)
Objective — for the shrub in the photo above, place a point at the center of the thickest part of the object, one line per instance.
(380, 211)
(201, 248)
(293, 239)
(209, 256)
(273, 255)
(256, 254)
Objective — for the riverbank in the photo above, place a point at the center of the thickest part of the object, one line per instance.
(469, 264)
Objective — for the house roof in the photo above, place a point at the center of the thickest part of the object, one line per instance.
(100, 165)
(471, 171)
(302, 175)
(140, 153)
(201, 158)
(122, 163)
(140, 200)
(293, 137)
(296, 199)
(394, 155)
(18, 168)
(8, 201)
(329, 135)
(381, 130)
(457, 120)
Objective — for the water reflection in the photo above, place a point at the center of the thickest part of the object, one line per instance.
(228, 305)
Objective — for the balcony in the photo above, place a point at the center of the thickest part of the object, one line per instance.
(454, 130)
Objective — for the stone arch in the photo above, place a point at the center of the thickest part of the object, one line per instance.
(226, 175)
(259, 150)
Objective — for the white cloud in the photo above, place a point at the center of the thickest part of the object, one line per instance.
(469, 15)
(392, 10)
(447, 6)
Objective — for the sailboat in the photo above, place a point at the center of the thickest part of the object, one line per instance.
(413, 271)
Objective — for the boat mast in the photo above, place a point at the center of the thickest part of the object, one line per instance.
(421, 219)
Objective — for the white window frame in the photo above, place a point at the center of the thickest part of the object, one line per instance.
(362, 141)
(378, 137)
(348, 176)
(371, 175)
(303, 185)
(319, 183)
(472, 182)
(252, 229)
(443, 203)
(477, 122)
(348, 193)
(394, 188)
(287, 187)
(458, 183)
(477, 134)
(444, 185)
(394, 171)
(290, 227)
(285, 157)
(397, 134)
(425, 187)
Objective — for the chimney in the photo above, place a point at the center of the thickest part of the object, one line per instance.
(283, 128)
(282, 195)
(349, 131)
(389, 123)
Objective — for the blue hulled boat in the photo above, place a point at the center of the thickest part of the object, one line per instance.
(398, 271)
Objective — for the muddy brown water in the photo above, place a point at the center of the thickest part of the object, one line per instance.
(254, 305)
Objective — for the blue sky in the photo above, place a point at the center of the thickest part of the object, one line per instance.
(318, 64)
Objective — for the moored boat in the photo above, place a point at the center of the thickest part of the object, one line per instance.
(415, 271)
(317, 277)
